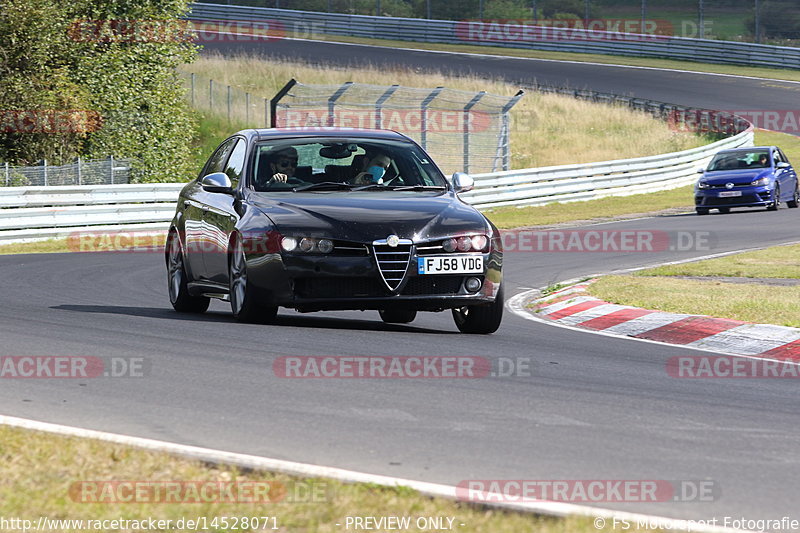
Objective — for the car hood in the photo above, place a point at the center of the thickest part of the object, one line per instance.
(737, 177)
(365, 216)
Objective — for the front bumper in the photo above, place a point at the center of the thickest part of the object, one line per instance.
(750, 197)
(316, 283)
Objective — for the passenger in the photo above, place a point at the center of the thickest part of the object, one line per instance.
(373, 170)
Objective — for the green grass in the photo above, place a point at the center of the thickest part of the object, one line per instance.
(747, 302)
(775, 262)
(39, 470)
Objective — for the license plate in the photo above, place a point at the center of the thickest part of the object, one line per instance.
(729, 194)
(449, 264)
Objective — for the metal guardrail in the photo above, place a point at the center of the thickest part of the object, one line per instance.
(37, 213)
(40, 213)
(529, 37)
(596, 180)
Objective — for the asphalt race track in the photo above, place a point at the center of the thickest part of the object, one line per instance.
(593, 408)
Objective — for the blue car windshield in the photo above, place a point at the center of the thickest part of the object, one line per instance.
(740, 160)
(323, 163)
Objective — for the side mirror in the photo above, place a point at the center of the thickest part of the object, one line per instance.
(782, 164)
(700, 170)
(463, 182)
(217, 182)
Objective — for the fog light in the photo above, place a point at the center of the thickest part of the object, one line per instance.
(325, 246)
(288, 243)
(306, 244)
(472, 284)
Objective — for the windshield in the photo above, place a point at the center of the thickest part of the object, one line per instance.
(322, 164)
(740, 160)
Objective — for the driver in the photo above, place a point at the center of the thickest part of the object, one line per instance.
(282, 164)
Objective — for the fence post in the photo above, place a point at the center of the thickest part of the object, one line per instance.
(332, 102)
(379, 105)
(193, 82)
(467, 109)
(247, 108)
(45, 172)
(424, 116)
(79, 171)
(111, 160)
(506, 128)
(229, 104)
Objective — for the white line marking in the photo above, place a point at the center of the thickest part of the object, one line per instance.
(346, 476)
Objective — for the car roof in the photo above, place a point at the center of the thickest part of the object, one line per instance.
(310, 132)
(746, 149)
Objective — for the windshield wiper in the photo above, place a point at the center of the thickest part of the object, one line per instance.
(325, 185)
(417, 187)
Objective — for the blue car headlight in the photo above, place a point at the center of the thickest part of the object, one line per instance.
(703, 185)
(760, 182)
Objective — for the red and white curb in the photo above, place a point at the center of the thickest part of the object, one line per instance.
(572, 307)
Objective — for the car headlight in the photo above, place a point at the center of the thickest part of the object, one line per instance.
(703, 185)
(760, 182)
(306, 245)
(288, 244)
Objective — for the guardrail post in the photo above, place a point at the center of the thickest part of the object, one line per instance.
(111, 161)
(8, 175)
(332, 102)
(423, 118)
(45, 171)
(467, 109)
(80, 181)
(379, 105)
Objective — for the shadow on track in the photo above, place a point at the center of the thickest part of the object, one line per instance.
(298, 321)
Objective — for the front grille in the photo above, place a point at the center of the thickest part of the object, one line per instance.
(432, 285)
(339, 288)
(392, 263)
(722, 185)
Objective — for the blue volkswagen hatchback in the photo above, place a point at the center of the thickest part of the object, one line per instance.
(747, 177)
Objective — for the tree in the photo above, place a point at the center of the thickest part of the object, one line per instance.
(117, 58)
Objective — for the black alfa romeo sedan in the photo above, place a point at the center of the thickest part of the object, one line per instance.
(333, 219)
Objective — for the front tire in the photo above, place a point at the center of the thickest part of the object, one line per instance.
(775, 205)
(244, 305)
(702, 210)
(397, 316)
(724, 210)
(480, 319)
(177, 280)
